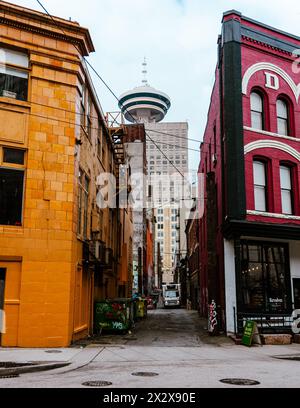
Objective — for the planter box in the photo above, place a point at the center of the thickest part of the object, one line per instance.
(276, 339)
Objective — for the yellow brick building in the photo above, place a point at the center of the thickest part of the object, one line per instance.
(53, 144)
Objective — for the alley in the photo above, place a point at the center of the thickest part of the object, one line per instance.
(171, 345)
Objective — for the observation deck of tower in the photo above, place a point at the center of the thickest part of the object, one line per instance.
(144, 104)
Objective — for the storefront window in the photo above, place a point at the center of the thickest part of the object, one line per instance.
(265, 281)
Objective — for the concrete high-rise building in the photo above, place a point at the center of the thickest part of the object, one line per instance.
(167, 161)
(168, 152)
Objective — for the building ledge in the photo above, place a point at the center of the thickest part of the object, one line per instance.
(273, 215)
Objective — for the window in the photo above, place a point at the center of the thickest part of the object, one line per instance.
(265, 278)
(11, 186)
(13, 74)
(256, 105)
(83, 196)
(99, 140)
(282, 117)
(104, 146)
(259, 175)
(82, 92)
(286, 190)
(215, 138)
(15, 156)
(89, 117)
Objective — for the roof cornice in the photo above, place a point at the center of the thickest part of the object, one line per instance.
(40, 23)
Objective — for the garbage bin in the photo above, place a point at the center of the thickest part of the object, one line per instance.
(113, 314)
(140, 307)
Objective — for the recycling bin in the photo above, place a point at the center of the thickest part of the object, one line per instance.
(113, 315)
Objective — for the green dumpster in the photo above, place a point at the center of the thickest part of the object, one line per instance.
(113, 314)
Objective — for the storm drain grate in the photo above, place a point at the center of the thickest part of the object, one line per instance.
(9, 376)
(239, 381)
(145, 374)
(52, 351)
(96, 383)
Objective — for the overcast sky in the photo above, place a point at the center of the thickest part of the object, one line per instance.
(178, 38)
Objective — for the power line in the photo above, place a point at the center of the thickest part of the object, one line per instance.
(181, 147)
(172, 134)
(115, 96)
(118, 123)
(106, 85)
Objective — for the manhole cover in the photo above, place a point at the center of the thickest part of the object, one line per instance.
(52, 351)
(96, 383)
(9, 376)
(11, 364)
(239, 381)
(144, 374)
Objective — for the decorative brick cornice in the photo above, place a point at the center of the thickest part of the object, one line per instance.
(265, 45)
(43, 32)
(52, 27)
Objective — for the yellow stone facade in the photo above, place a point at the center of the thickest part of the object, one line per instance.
(50, 284)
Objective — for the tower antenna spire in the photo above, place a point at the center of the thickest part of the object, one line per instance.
(144, 72)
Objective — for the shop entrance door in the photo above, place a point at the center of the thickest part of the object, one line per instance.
(2, 288)
(296, 286)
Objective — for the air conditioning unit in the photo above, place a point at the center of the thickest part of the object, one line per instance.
(108, 257)
(97, 250)
(214, 158)
(9, 94)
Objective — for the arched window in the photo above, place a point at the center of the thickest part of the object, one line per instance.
(257, 110)
(260, 185)
(286, 189)
(283, 127)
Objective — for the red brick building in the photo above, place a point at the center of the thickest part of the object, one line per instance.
(193, 264)
(250, 229)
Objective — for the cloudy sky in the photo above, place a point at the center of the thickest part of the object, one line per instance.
(178, 38)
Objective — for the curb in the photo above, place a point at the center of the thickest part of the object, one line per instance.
(32, 368)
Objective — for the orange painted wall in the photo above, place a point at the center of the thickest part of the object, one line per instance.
(41, 302)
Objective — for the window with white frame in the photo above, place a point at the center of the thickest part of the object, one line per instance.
(99, 140)
(13, 74)
(286, 190)
(260, 185)
(83, 198)
(256, 105)
(89, 116)
(282, 117)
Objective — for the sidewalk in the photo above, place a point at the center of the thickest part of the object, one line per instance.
(14, 361)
